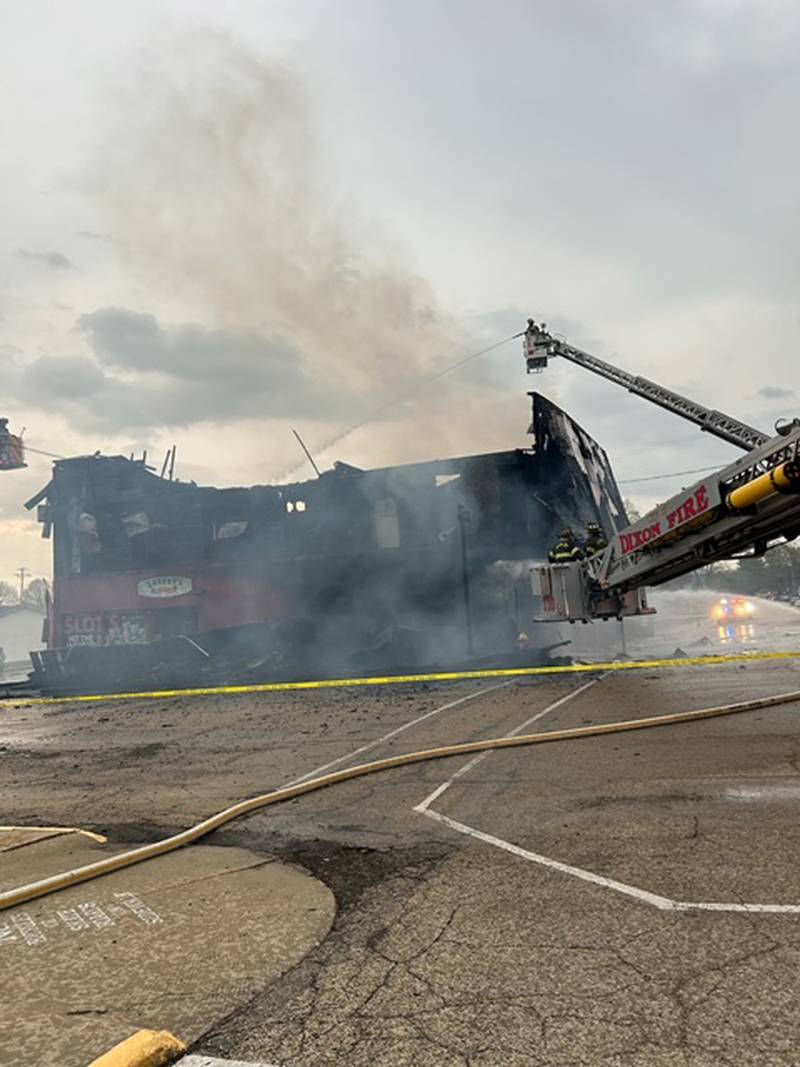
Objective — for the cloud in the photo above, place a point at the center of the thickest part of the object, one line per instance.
(53, 260)
(127, 340)
(775, 392)
(91, 235)
(250, 227)
(143, 375)
(211, 174)
(134, 342)
(70, 378)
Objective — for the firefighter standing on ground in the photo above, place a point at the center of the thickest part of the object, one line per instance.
(566, 548)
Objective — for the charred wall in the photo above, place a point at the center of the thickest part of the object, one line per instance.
(341, 556)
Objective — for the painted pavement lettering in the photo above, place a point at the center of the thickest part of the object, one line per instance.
(85, 918)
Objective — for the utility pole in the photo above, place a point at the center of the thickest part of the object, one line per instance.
(21, 575)
(622, 643)
(463, 519)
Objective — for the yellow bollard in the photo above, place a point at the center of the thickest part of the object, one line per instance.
(146, 1048)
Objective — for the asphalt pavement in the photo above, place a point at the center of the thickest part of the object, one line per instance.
(626, 900)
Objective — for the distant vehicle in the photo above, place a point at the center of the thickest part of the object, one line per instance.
(732, 607)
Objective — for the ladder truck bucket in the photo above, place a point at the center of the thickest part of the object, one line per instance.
(12, 449)
(536, 345)
(563, 590)
(570, 594)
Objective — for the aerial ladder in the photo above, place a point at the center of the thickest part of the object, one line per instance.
(737, 511)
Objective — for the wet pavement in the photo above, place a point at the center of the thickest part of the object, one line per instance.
(625, 900)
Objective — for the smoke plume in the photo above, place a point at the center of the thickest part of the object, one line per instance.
(212, 176)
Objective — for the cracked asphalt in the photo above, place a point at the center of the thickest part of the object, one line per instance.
(457, 950)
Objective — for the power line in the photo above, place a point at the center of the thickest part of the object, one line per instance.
(372, 415)
(661, 477)
(416, 388)
(39, 452)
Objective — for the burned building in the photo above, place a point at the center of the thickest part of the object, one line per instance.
(352, 570)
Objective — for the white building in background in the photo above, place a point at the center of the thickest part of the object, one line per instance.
(20, 631)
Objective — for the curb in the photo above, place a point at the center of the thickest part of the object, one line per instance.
(145, 1048)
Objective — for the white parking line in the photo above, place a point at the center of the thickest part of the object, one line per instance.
(654, 899)
(423, 807)
(545, 861)
(212, 1061)
(397, 731)
(644, 896)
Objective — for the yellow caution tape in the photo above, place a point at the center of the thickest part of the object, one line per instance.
(404, 679)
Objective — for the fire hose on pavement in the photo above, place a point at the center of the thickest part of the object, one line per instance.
(24, 894)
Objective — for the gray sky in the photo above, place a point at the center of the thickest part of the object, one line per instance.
(222, 221)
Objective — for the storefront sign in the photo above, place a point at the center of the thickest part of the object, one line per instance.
(84, 630)
(165, 587)
(104, 629)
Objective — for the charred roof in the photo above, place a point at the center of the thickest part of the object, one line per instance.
(110, 512)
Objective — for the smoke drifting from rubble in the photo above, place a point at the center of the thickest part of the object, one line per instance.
(212, 176)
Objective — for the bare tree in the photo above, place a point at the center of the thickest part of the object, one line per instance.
(35, 595)
(8, 594)
(633, 512)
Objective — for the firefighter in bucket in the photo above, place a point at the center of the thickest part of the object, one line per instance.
(596, 540)
(566, 549)
(12, 450)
